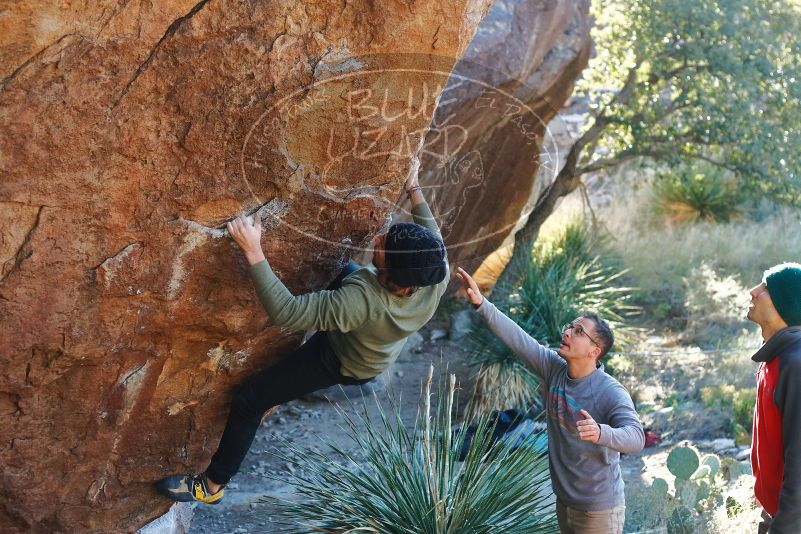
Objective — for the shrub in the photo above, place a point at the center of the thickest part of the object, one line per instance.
(737, 403)
(715, 304)
(743, 403)
(692, 194)
(562, 277)
(659, 257)
(717, 395)
(401, 480)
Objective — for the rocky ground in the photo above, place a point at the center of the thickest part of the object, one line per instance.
(315, 422)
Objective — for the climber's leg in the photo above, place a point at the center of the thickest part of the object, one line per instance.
(311, 367)
(188, 488)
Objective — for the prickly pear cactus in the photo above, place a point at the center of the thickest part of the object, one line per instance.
(681, 521)
(702, 472)
(713, 462)
(704, 490)
(660, 486)
(687, 492)
(683, 461)
(746, 467)
(731, 469)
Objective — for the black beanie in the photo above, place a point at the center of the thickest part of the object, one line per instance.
(415, 256)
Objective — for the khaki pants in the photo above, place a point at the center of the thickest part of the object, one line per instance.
(608, 521)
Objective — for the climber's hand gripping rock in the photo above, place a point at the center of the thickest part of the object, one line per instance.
(246, 231)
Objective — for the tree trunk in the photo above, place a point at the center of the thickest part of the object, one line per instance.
(566, 181)
(564, 184)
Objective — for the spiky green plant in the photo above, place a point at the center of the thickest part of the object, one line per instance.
(700, 193)
(561, 278)
(410, 481)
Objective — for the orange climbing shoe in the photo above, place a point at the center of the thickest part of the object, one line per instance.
(188, 488)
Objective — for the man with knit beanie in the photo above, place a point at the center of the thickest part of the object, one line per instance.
(362, 326)
(776, 446)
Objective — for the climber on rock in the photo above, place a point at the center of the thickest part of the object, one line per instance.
(362, 326)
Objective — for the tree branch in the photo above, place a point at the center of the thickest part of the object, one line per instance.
(625, 92)
(566, 181)
(723, 165)
(601, 164)
(678, 70)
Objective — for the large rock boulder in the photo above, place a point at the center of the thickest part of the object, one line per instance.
(131, 131)
(489, 152)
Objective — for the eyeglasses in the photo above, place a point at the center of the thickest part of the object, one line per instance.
(579, 330)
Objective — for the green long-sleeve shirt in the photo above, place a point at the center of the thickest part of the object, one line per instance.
(366, 324)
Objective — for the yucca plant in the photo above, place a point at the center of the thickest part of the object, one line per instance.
(402, 480)
(561, 278)
(696, 194)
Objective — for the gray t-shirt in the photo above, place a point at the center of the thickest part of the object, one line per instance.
(585, 476)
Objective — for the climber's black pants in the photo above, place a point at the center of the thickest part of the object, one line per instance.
(310, 367)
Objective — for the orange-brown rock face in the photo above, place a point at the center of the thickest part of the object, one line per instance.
(131, 131)
(487, 142)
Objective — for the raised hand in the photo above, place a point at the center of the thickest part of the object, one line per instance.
(470, 286)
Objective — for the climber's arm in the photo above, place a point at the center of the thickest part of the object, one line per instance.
(413, 188)
(421, 213)
(344, 309)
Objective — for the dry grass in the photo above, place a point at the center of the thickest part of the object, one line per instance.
(660, 254)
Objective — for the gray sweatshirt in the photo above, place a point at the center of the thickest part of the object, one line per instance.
(585, 476)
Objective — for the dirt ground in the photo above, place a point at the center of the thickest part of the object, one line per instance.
(314, 422)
